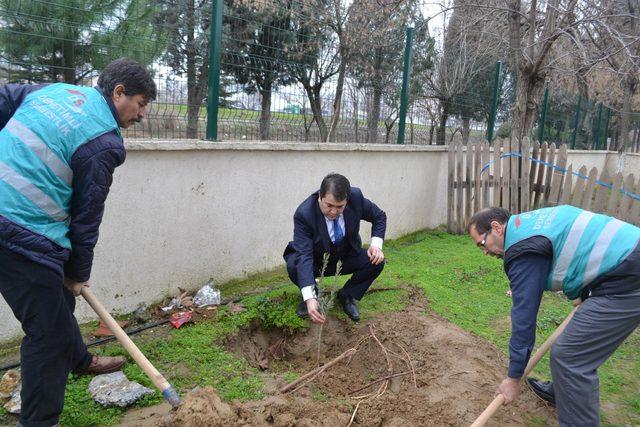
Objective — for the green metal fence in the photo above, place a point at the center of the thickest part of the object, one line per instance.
(274, 69)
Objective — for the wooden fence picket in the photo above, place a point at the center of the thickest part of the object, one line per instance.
(525, 165)
(451, 186)
(601, 192)
(459, 182)
(538, 190)
(513, 173)
(528, 175)
(497, 173)
(477, 160)
(535, 157)
(486, 175)
(634, 212)
(565, 194)
(506, 173)
(468, 185)
(626, 201)
(578, 192)
(587, 199)
(548, 174)
(557, 175)
(612, 206)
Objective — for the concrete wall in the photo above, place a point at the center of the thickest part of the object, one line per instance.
(578, 158)
(181, 212)
(626, 163)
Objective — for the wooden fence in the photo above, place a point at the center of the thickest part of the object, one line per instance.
(499, 175)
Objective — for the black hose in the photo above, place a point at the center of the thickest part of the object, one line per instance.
(225, 301)
(103, 340)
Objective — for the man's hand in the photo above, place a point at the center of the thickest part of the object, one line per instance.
(375, 255)
(510, 389)
(314, 312)
(75, 287)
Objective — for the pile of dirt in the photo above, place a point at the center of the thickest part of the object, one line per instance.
(448, 377)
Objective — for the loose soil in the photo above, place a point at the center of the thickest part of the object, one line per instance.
(456, 374)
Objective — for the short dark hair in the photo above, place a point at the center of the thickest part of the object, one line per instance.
(336, 184)
(483, 219)
(130, 74)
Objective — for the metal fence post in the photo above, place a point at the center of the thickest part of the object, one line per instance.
(494, 103)
(404, 95)
(596, 134)
(606, 128)
(543, 117)
(215, 58)
(575, 123)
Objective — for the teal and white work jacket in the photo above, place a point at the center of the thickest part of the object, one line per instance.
(585, 244)
(36, 147)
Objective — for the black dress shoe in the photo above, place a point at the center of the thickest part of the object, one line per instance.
(350, 307)
(302, 311)
(544, 390)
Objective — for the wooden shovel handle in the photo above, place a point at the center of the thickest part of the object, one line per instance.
(499, 400)
(156, 377)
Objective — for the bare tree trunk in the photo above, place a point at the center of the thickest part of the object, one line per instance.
(265, 113)
(374, 116)
(465, 130)
(313, 93)
(193, 107)
(337, 101)
(525, 109)
(442, 128)
(411, 113)
(356, 117)
(374, 113)
(431, 129)
(629, 86)
(69, 70)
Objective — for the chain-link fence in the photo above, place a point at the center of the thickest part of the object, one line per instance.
(293, 70)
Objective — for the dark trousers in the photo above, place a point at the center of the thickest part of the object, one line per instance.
(358, 264)
(53, 346)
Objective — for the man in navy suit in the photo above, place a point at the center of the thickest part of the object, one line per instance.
(328, 221)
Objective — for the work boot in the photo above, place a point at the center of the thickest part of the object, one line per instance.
(543, 389)
(349, 306)
(103, 365)
(301, 310)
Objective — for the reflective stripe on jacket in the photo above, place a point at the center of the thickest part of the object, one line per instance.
(585, 245)
(36, 147)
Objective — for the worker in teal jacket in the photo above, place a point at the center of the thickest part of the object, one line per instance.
(593, 259)
(59, 146)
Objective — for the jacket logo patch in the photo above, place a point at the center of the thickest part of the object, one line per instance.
(517, 221)
(75, 100)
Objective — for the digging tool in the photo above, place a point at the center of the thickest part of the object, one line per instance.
(169, 393)
(499, 400)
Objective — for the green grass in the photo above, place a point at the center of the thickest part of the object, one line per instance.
(460, 283)
(469, 288)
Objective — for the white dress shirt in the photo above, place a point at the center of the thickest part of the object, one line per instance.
(309, 290)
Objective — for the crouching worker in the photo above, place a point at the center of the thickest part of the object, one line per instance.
(590, 257)
(328, 221)
(59, 146)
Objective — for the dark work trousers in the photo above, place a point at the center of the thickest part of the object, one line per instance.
(597, 329)
(358, 264)
(52, 346)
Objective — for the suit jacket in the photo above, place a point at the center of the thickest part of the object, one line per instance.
(311, 237)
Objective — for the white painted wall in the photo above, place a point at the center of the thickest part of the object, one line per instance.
(590, 159)
(626, 163)
(181, 212)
